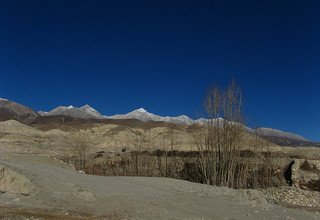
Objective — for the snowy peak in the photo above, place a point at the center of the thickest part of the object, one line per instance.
(85, 112)
(88, 109)
(141, 110)
(60, 109)
(143, 115)
(140, 114)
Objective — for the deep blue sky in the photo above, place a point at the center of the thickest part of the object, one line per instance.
(162, 55)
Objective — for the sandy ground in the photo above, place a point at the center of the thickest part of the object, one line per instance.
(59, 192)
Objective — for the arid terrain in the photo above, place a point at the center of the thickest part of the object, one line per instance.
(37, 185)
(141, 169)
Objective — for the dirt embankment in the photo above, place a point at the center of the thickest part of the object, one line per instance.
(14, 182)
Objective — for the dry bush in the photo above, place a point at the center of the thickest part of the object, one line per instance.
(264, 169)
(176, 164)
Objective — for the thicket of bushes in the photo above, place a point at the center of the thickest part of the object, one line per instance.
(251, 171)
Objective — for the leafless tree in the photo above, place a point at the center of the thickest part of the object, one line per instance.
(219, 139)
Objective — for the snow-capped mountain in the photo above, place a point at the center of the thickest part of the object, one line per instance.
(12, 110)
(143, 115)
(85, 112)
(91, 111)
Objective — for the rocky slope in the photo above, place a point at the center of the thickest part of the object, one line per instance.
(13, 110)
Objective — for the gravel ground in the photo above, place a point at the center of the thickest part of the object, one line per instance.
(294, 197)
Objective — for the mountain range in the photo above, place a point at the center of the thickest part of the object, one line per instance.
(85, 112)
(13, 110)
(143, 115)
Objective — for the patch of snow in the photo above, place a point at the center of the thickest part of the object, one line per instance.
(2, 99)
(43, 113)
(142, 110)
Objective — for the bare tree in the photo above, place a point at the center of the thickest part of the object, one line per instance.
(219, 139)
